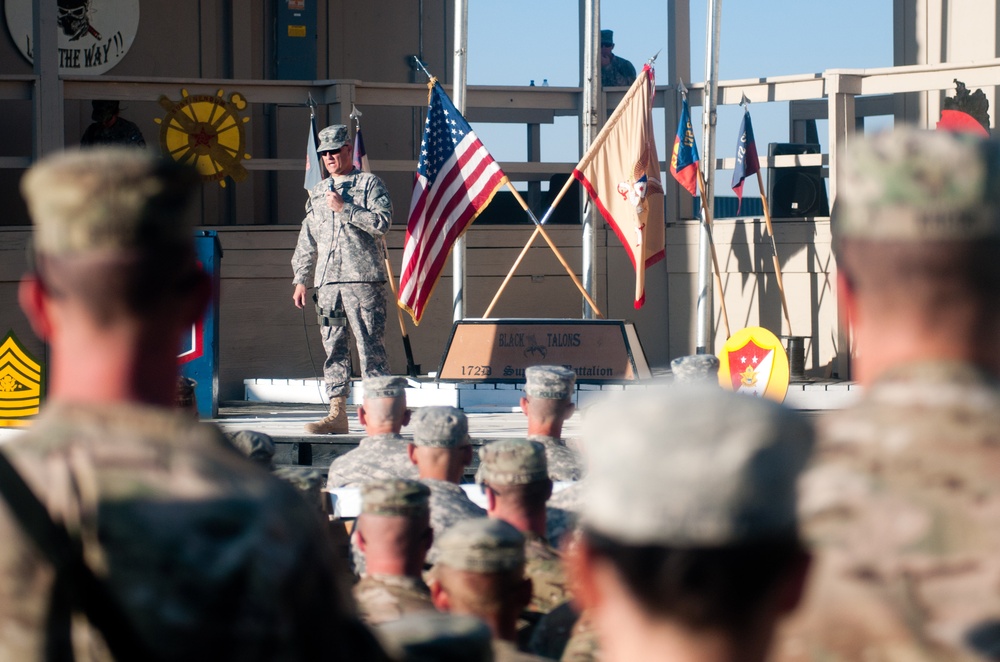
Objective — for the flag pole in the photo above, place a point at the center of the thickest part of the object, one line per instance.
(458, 273)
(745, 103)
(715, 256)
(412, 369)
(545, 235)
(774, 252)
(707, 229)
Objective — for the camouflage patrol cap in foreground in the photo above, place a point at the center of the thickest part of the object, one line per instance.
(384, 386)
(693, 466)
(914, 185)
(695, 368)
(332, 138)
(481, 544)
(257, 446)
(109, 199)
(440, 427)
(436, 637)
(512, 462)
(395, 497)
(607, 38)
(307, 480)
(552, 382)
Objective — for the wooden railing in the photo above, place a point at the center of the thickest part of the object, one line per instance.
(842, 96)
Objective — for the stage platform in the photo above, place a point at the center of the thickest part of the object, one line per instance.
(282, 407)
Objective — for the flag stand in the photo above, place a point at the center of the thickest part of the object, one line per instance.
(539, 230)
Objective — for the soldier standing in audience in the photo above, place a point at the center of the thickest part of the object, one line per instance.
(903, 500)
(394, 533)
(689, 547)
(441, 450)
(514, 476)
(382, 453)
(548, 402)
(480, 572)
(130, 530)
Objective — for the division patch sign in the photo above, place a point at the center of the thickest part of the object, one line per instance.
(94, 35)
(753, 361)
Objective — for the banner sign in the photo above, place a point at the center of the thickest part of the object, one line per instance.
(498, 350)
(94, 35)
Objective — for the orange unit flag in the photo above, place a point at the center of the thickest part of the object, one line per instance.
(621, 173)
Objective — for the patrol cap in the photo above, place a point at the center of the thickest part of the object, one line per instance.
(332, 138)
(551, 382)
(440, 427)
(436, 637)
(481, 544)
(109, 199)
(257, 446)
(512, 462)
(395, 497)
(916, 185)
(607, 38)
(695, 368)
(384, 386)
(307, 480)
(694, 466)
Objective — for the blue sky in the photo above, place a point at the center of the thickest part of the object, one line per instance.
(515, 41)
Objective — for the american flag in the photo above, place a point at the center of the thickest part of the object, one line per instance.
(456, 178)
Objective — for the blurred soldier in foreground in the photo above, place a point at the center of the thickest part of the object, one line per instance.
(690, 549)
(516, 482)
(382, 453)
(480, 572)
(339, 248)
(141, 533)
(394, 533)
(437, 637)
(441, 449)
(904, 500)
(548, 402)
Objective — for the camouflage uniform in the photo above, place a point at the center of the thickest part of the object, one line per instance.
(175, 521)
(434, 636)
(449, 504)
(620, 73)
(903, 503)
(343, 252)
(519, 462)
(548, 579)
(486, 546)
(565, 464)
(375, 458)
(444, 427)
(384, 598)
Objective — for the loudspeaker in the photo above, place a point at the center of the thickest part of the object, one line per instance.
(797, 191)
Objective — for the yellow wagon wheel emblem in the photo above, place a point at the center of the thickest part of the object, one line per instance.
(207, 132)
